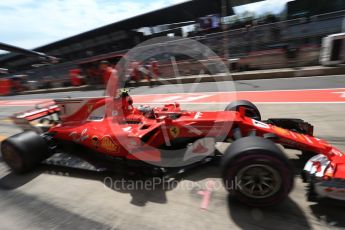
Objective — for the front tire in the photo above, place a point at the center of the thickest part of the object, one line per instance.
(257, 172)
(24, 152)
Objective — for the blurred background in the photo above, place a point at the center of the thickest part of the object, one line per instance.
(248, 35)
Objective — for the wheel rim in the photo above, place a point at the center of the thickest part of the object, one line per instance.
(11, 157)
(258, 181)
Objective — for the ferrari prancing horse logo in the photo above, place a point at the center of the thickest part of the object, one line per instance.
(174, 131)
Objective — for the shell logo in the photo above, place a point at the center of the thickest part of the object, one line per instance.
(108, 144)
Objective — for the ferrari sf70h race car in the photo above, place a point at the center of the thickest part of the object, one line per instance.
(111, 133)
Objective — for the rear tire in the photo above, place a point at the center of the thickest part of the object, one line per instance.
(251, 110)
(257, 172)
(24, 152)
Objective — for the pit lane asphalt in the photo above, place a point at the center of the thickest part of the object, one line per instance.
(317, 82)
(59, 198)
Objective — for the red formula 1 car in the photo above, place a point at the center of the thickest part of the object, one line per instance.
(111, 133)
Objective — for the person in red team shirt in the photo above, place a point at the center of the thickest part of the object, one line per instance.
(154, 69)
(106, 70)
(110, 78)
(135, 72)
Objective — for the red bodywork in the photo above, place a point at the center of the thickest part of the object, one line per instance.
(125, 131)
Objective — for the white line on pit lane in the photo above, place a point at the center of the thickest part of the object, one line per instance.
(221, 103)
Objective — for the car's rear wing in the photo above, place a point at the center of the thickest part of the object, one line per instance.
(51, 112)
(43, 115)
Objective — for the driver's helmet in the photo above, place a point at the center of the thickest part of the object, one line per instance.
(147, 111)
